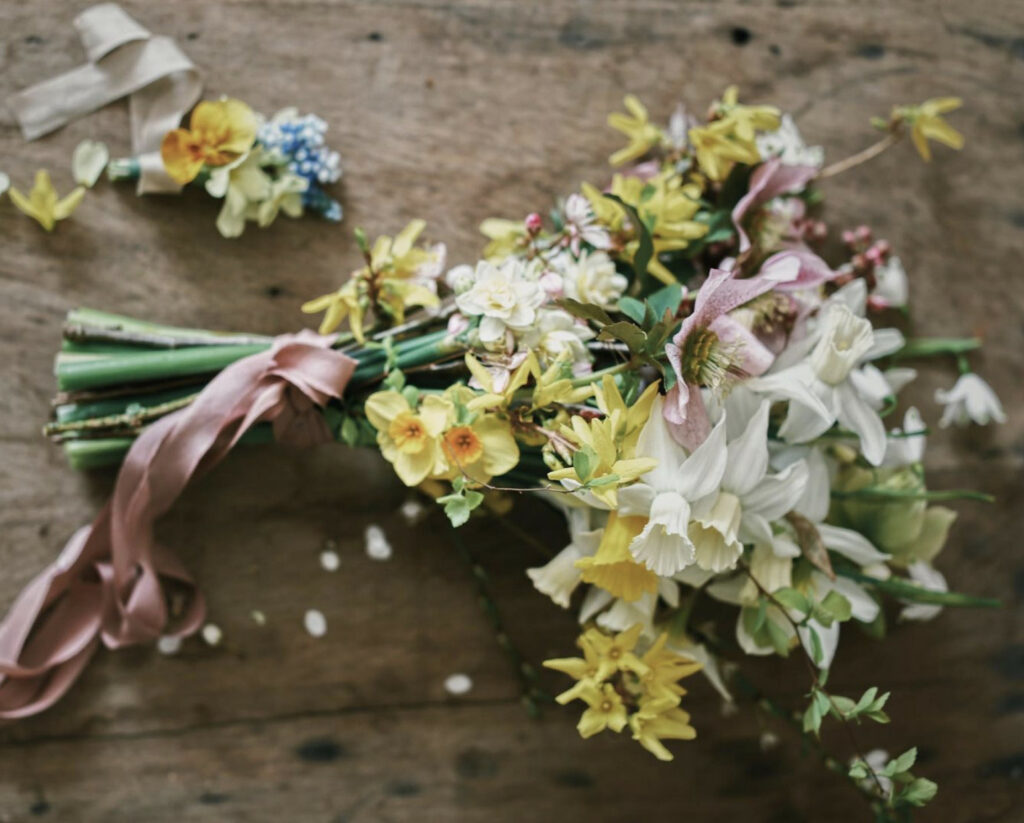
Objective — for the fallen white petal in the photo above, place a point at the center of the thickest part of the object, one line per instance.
(458, 684)
(377, 545)
(329, 560)
(212, 634)
(315, 622)
(88, 161)
(168, 644)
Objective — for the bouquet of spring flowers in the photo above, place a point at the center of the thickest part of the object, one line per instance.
(671, 362)
(258, 167)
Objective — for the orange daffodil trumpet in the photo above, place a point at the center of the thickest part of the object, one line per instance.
(219, 133)
(674, 363)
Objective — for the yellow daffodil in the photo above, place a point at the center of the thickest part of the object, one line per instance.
(632, 419)
(651, 727)
(718, 147)
(219, 133)
(643, 135)
(664, 203)
(747, 120)
(507, 237)
(479, 447)
(411, 438)
(42, 203)
(400, 275)
(611, 460)
(926, 124)
(612, 567)
(606, 710)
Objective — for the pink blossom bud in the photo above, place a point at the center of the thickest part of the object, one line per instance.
(863, 233)
(849, 238)
(819, 231)
(533, 222)
(884, 247)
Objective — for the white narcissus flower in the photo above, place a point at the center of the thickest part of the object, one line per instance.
(843, 342)
(665, 494)
(905, 446)
(928, 577)
(559, 577)
(558, 334)
(503, 297)
(970, 399)
(592, 278)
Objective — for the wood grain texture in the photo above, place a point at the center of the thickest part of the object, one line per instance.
(455, 111)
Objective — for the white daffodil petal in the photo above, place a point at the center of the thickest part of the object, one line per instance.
(703, 469)
(886, 342)
(857, 415)
(747, 460)
(594, 601)
(777, 494)
(850, 544)
(816, 500)
(559, 577)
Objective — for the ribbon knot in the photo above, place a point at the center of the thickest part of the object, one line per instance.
(162, 84)
(107, 585)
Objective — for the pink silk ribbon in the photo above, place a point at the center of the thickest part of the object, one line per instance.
(107, 584)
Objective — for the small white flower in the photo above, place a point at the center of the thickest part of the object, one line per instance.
(315, 623)
(503, 297)
(458, 684)
(891, 287)
(970, 399)
(581, 224)
(377, 545)
(592, 278)
(557, 334)
(460, 279)
(212, 634)
(787, 144)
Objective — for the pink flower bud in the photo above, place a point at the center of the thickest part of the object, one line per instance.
(863, 233)
(849, 238)
(533, 222)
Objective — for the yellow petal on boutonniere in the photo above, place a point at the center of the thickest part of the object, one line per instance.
(43, 204)
(88, 161)
(219, 133)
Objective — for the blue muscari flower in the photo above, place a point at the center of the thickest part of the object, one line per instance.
(298, 142)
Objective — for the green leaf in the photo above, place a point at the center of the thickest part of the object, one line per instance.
(456, 507)
(585, 311)
(645, 250)
(583, 462)
(630, 334)
(792, 599)
(817, 653)
(603, 480)
(838, 606)
(858, 770)
(905, 762)
(633, 309)
(867, 699)
(843, 705)
(349, 431)
(812, 719)
(779, 639)
(919, 792)
(666, 300)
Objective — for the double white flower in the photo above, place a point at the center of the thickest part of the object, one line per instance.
(505, 297)
(702, 507)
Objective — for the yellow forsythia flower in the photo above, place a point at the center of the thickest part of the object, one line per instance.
(643, 135)
(507, 237)
(42, 203)
(219, 132)
(926, 124)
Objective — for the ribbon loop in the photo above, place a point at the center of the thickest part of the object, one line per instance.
(107, 585)
(124, 60)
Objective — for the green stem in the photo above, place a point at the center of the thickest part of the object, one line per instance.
(896, 495)
(931, 346)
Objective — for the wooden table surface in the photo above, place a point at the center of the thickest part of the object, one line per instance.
(455, 111)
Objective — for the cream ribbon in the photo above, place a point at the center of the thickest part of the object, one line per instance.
(160, 81)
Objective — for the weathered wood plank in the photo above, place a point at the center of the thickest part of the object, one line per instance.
(456, 111)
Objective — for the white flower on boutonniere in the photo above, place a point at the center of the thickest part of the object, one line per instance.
(970, 399)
